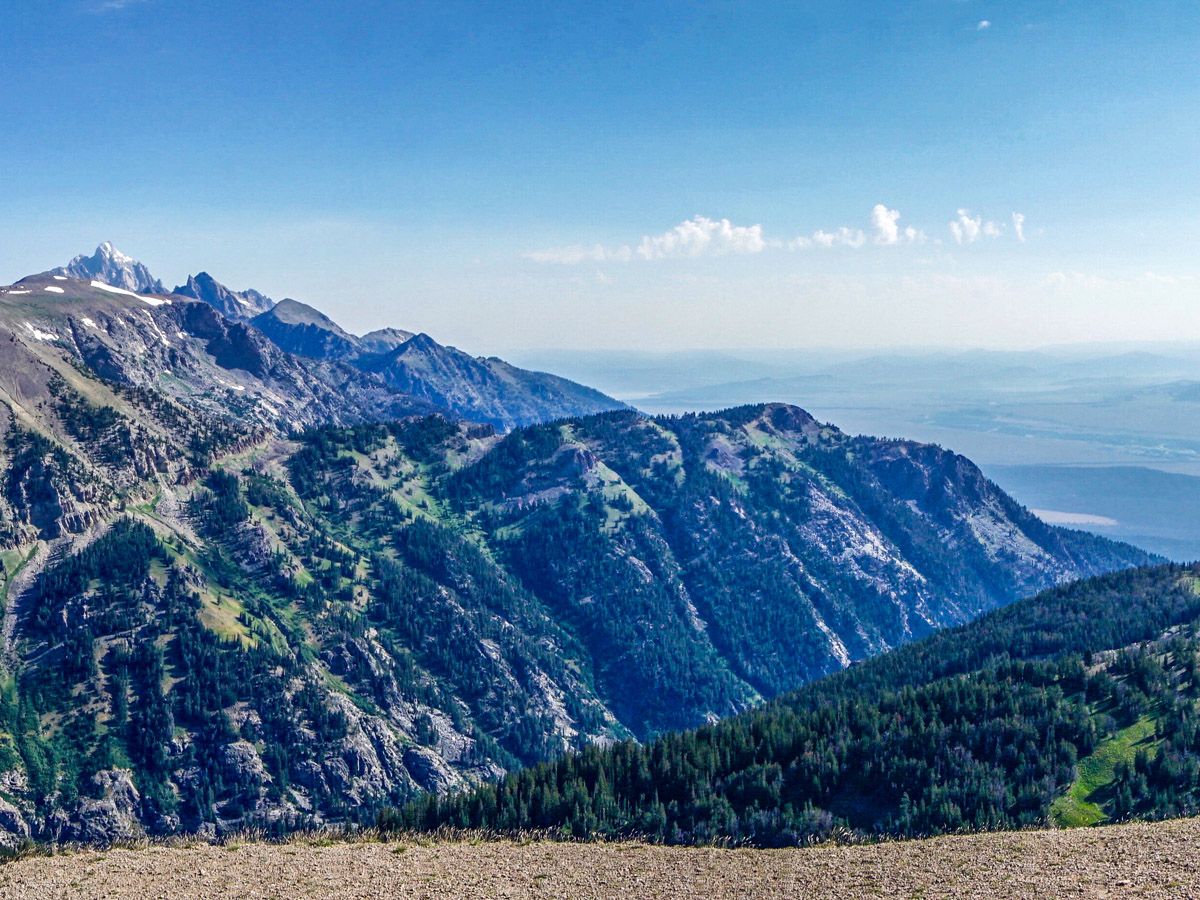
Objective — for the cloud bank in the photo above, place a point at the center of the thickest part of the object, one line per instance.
(701, 236)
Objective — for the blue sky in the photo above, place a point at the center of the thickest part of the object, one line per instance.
(627, 175)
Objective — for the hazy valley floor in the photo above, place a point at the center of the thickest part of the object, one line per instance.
(1140, 860)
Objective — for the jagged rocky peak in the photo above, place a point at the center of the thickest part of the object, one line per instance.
(111, 266)
(235, 304)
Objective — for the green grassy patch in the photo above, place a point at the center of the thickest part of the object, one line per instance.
(224, 615)
(1094, 774)
(14, 561)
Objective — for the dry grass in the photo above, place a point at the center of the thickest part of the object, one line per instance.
(1142, 860)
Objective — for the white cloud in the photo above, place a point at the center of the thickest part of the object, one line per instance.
(1091, 282)
(967, 229)
(983, 25)
(886, 223)
(1071, 281)
(1018, 220)
(702, 236)
(698, 236)
(1173, 280)
(842, 237)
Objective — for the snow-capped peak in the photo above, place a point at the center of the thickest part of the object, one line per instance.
(107, 249)
(111, 266)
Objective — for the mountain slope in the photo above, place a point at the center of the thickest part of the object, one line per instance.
(298, 328)
(181, 346)
(1075, 706)
(132, 387)
(794, 548)
(250, 630)
(481, 389)
(245, 586)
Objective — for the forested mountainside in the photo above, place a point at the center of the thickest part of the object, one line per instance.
(244, 628)
(1074, 707)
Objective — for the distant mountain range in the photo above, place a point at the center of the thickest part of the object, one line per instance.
(398, 369)
(259, 571)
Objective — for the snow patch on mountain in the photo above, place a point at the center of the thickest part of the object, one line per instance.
(39, 334)
(152, 301)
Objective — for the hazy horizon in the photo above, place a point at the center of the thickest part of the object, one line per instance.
(941, 172)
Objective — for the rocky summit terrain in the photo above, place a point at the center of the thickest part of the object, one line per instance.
(251, 579)
(1147, 860)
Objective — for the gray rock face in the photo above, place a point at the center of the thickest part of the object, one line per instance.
(233, 304)
(110, 265)
(13, 827)
(244, 765)
(112, 817)
(430, 771)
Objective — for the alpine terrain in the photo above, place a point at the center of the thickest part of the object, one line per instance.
(260, 571)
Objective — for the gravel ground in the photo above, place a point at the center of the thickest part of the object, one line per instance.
(1140, 860)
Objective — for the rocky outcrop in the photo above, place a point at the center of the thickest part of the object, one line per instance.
(112, 815)
(14, 829)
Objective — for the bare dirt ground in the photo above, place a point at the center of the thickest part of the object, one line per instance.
(1140, 860)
